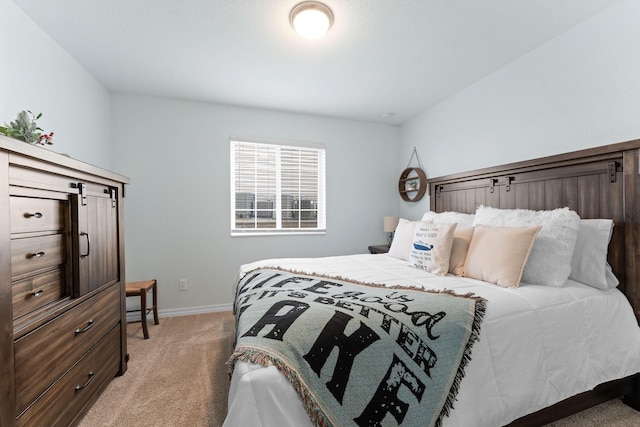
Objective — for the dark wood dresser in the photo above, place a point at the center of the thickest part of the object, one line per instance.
(62, 281)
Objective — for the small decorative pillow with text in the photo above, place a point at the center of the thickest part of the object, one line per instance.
(589, 264)
(550, 260)
(499, 254)
(402, 239)
(432, 247)
(461, 237)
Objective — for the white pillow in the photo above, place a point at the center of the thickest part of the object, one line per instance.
(589, 264)
(402, 239)
(432, 247)
(612, 280)
(462, 219)
(550, 260)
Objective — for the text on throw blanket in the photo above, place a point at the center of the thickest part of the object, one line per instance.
(390, 310)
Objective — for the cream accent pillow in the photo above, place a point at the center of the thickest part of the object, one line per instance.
(550, 260)
(589, 264)
(499, 254)
(432, 247)
(402, 239)
(461, 240)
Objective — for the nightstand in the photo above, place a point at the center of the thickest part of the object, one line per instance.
(379, 249)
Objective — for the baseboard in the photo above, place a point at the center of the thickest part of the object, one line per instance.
(194, 310)
(173, 312)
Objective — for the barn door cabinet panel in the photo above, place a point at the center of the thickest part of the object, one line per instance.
(62, 303)
(96, 228)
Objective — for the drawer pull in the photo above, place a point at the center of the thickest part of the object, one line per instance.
(85, 385)
(37, 293)
(36, 255)
(86, 328)
(37, 215)
(82, 233)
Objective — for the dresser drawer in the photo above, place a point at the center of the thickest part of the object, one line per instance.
(43, 355)
(37, 291)
(30, 214)
(63, 401)
(28, 177)
(31, 254)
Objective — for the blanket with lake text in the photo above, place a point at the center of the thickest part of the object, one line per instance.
(358, 354)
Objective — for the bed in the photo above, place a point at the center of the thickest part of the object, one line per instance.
(542, 352)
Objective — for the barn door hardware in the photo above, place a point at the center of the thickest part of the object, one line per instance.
(492, 184)
(611, 170)
(507, 183)
(112, 195)
(82, 191)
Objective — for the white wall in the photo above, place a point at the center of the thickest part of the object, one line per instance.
(177, 214)
(176, 153)
(37, 74)
(580, 90)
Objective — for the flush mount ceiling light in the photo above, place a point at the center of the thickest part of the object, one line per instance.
(311, 19)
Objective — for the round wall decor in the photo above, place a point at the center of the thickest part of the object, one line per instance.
(412, 184)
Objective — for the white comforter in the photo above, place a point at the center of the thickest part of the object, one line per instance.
(538, 345)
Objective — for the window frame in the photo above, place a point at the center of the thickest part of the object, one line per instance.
(320, 228)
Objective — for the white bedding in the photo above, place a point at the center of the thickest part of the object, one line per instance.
(538, 345)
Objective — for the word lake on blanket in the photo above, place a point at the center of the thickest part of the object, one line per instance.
(358, 354)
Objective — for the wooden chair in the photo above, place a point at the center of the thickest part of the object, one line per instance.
(140, 289)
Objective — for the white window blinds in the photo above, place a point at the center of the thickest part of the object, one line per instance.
(277, 188)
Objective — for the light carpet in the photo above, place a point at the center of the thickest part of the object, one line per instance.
(175, 378)
(178, 378)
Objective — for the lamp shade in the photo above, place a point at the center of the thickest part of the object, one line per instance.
(390, 223)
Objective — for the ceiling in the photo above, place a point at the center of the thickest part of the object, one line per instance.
(380, 58)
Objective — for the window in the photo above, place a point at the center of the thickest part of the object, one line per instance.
(277, 189)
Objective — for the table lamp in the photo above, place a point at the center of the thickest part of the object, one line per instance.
(390, 224)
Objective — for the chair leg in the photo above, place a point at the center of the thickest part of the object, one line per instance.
(155, 304)
(143, 312)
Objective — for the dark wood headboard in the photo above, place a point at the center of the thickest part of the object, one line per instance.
(598, 182)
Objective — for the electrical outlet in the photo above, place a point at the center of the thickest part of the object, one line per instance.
(182, 284)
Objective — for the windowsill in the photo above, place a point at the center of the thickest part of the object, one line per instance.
(254, 233)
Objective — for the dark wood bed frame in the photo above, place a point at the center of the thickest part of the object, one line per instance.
(602, 182)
